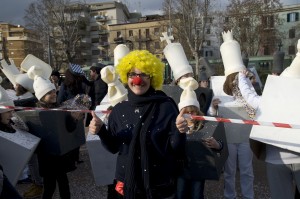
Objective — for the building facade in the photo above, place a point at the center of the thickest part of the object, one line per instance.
(16, 42)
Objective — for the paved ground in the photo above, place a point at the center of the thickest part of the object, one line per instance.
(83, 187)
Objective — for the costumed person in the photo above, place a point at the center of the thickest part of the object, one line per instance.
(278, 61)
(15, 132)
(116, 93)
(282, 165)
(147, 131)
(53, 168)
(239, 151)
(56, 79)
(188, 187)
(22, 95)
(75, 83)
(100, 87)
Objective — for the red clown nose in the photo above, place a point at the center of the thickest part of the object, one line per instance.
(137, 80)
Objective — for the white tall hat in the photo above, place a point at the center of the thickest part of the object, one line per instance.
(231, 54)
(41, 85)
(4, 99)
(119, 52)
(176, 57)
(25, 81)
(294, 69)
(116, 91)
(31, 60)
(188, 96)
(10, 71)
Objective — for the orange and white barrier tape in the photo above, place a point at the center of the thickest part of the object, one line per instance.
(238, 121)
(195, 117)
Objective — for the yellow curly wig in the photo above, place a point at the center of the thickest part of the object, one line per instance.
(145, 62)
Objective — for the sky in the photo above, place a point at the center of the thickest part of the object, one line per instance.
(12, 11)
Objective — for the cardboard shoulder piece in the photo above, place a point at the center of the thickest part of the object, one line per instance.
(102, 161)
(50, 126)
(279, 103)
(16, 150)
(30, 60)
(230, 108)
(203, 162)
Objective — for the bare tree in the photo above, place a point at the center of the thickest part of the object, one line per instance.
(253, 23)
(59, 23)
(188, 22)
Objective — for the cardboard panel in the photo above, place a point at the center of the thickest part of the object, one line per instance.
(203, 162)
(173, 91)
(16, 150)
(279, 103)
(50, 126)
(103, 162)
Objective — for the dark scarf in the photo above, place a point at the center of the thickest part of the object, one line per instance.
(137, 170)
(7, 127)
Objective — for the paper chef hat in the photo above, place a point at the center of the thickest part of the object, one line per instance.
(31, 60)
(294, 69)
(116, 91)
(119, 52)
(41, 85)
(188, 96)
(176, 57)
(278, 59)
(4, 99)
(10, 71)
(25, 81)
(231, 54)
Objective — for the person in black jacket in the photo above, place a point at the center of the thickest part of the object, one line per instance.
(100, 87)
(147, 131)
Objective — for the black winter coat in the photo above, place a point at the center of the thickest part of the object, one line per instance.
(164, 143)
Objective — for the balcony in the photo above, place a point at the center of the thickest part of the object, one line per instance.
(103, 43)
(119, 40)
(145, 39)
(101, 18)
(103, 32)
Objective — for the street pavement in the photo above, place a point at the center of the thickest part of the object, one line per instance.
(82, 185)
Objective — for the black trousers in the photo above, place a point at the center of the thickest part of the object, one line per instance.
(50, 185)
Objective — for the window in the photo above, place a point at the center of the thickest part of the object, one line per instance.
(292, 33)
(95, 52)
(208, 31)
(291, 50)
(268, 21)
(156, 31)
(119, 34)
(292, 17)
(147, 33)
(226, 20)
(130, 33)
(208, 43)
(148, 45)
(208, 53)
(95, 40)
(140, 34)
(157, 45)
(94, 28)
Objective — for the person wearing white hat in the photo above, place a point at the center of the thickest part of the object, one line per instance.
(281, 176)
(53, 168)
(146, 131)
(14, 126)
(239, 151)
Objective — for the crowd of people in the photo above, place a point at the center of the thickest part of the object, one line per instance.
(160, 148)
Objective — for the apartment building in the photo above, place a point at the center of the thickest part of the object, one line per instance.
(141, 35)
(16, 42)
(289, 28)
